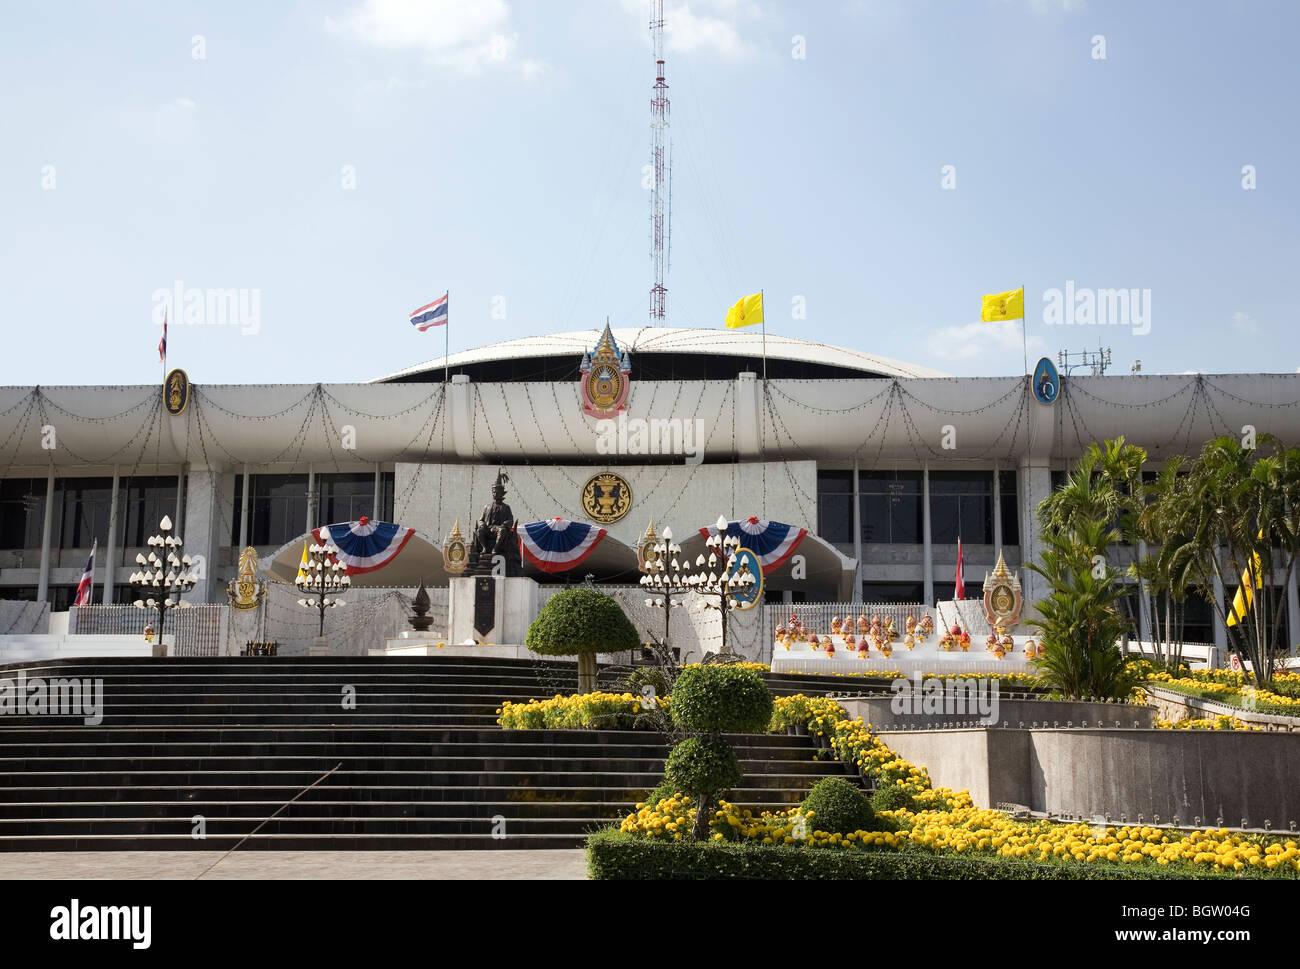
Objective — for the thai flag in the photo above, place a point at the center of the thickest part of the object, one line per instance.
(85, 586)
(558, 545)
(162, 344)
(959, 587)
(431, 314)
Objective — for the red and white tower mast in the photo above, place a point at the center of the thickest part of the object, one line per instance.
(660, 203)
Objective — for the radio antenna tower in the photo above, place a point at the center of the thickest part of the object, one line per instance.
(660, 200)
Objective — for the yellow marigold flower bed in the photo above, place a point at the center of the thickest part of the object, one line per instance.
(948, 822)
(1221, 722)
(609, 710)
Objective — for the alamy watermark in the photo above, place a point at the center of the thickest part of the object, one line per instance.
(192, 306)
(1080, 306)
(919, 697)
(71, 696)
(666, 435)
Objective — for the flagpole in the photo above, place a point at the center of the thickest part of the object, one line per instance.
(762, 301)
(1024, 326)
(446, 342)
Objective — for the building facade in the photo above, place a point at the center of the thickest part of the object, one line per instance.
(886, 465)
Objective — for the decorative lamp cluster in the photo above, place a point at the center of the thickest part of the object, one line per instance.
(165, 574)
(722, 548)
(322, 577)
(663, 573)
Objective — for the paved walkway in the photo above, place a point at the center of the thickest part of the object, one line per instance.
(568, 864)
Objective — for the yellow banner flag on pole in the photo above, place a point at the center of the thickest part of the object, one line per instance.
(302, 565)
(997, 307)
(1242, 601)
(747, 311)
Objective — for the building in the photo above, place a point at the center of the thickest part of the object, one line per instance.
(884, 463)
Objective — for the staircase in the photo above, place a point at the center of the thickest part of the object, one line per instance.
(218, 745)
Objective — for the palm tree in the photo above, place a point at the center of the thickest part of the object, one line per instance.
(1222, 518)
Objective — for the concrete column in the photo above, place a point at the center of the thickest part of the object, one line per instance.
(110, 546)
(748, 416)
(1293, 613)
(1144, 618)
(997, 508)
(312, 499)
(379, 495)
(243, 512)
(458, 411)
(178, 519)
(857, 538)
(1220, 630)
(927, 548)
(1035, 485)
(43, 584)
(200, 535)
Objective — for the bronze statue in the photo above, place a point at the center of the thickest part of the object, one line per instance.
(495, 534)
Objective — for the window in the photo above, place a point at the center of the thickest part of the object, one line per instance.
(277, 508)
(82, 509)
(22, 512)
(346, 497)
(147, 500)
(835, 506)
(961, 506)
(1010, 508)
(893, 592)
(890, 503)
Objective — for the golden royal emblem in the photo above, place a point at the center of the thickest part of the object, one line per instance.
(606, 497)
(176, 392)
(455, 556)
(605, 378)
(246, 591)
(645, 549)
(1002, 596)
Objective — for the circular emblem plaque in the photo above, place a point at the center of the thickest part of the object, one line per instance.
(176, 392)
(747, 562)
(606, 497)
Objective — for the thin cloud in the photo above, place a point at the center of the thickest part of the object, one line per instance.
(469, 37)
(981, 341)
(702, 26)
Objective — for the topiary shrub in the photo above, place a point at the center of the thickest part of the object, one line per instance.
(892, 798)
(582, 623)
(704, 765)
(838, 806)
(721, 699)
(666, 789)
(656, 678)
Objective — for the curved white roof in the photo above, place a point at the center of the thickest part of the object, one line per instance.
(667, 339)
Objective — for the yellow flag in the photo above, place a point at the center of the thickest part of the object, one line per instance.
(1241, 602)
(747, 311)
(996, 307)
(302, 565)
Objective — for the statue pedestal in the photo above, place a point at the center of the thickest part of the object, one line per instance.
(507, 604)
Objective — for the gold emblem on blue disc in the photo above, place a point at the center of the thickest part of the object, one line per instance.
(747, 564)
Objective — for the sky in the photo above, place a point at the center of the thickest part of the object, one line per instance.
(874, 166)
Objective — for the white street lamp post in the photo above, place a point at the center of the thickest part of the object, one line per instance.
(165, 576)
(322, 578)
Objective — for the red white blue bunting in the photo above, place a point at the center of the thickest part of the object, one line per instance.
(773, 542)
(557, 545)
(365, 546)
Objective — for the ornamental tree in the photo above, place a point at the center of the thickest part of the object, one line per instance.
(708, 701)
(581, 622)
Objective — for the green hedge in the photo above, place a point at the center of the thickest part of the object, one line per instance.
(614, 855)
